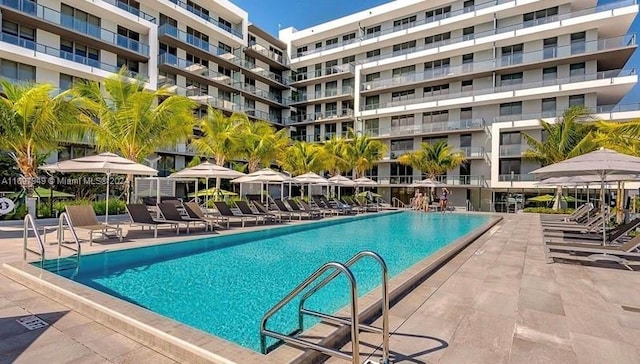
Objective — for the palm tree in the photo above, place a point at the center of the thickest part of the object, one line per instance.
(433, 159)
(303, 157)
(623, 137)
(221, 139)
(260, 144)
(571, 136)
(31, 123)
(335, 149)
(132, 121)
(362, 153)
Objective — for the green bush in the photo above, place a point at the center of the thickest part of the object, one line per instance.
(547, 210)
(18, 213)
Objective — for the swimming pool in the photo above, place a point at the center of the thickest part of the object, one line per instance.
(223, 285)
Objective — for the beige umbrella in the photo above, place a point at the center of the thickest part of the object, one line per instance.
(428, 182)
(266, 176)
(207, 170)
(108, 163)
(341, 181)
(311, 179)
(364, 181)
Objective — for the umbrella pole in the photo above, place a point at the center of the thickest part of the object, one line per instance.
(206, 198)
(218, 185)
(106, 213)
(604, 221)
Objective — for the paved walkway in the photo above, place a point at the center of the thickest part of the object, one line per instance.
(497, 302)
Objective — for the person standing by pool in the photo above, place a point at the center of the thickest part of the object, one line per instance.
(443, 200)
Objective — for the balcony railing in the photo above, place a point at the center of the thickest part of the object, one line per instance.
(394, 154)
(514, 87)
(472, 152)
(58, 53)
(269, 54)
(179, 148)
(192, 67)
(334, 134)
(263, 115)
(493, 63)
(512, 150)
(333, 70)
(516, 177)
(343, 91)
(135, 11)
(208, 18)
(462, 180)
(511, 28)
(264, 94)
(69, 22)
(326, 115)
(431, 127)
(170, 30)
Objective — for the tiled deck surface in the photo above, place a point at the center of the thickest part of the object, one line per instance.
(496, 302)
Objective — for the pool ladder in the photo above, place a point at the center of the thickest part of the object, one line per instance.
(337, 268)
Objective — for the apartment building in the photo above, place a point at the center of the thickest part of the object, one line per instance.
(475, 73)
(206, 50)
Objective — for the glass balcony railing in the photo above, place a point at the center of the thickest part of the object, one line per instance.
(264, 94)
(208, 18)
(493, 63)
(265, 116)
(333, 70)
(462, 180)
(516, 177)
(511, 28)
(512, 150)
(343, 91)
(195, 68)
(429, 127)
(75, 24)
(513, 87)
(395, 153)
(324, 115)
(130, 9)
(62, 54)
(596, 112)
(334, 134)
(268, 53)
(472, 152)
(170, 30)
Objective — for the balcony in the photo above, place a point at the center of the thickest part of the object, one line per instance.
(180, 148)
(334, 134)
(66, 23)
(38, 49)
(193, 69)
(130, 9)
(547, 54)
(201, 45)
(202, 98)
(514, 177)
(334, 115)
(473, 152)
(265, 95)
(345, 92)
(208, 18)
(462, 180)
(514, 90)
(603, 112)
(394, 154)
(513, 150)
(563, 19)
(324, 74)
(440, 127)
(265, 116)
(268, 56)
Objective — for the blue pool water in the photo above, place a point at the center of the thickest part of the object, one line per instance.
(223, 285)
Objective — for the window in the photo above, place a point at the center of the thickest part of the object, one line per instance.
(511, 108)
(540, 16)
(349, 59)
(371, 127)
(403, 95)
(437, 14)
(197, 9)
(467, 62)
(465, 140)
(301, 51)
(249, 104)
(191, 59)
(401, 146)
(468, 6)
(224, 47)
(510, 138)
(132, 66)
(331, 42)
(549, 75)
(252, 40)
(402, 120)
(373, 55)
(435, 116)
(331, 66)
(400, 170)
(128, 35)
(250, 60)
(404, 48)
(467, 33)
(318, 45)
(511, 79)
(329, 131)
(79, 52)
(165, 48)
(223, 71)
(275, 51)
(578, 42)
(577, 70)
(168, 20)
(197, 89)
(372, 77)
(224, 24)
(348, 38)
(466, 113)
(222, 95)
(512, 54)
(198, 39)
(18, 34)
(403, 71)
(79, 20)
(508, 167)
(437, 68)
(372, 31)
(438, 39)
(404, 23)
(550, 47)
(549, 107)
(576, 100)
(331, 88)
(371, 102)
(436, 90)
(466, 85)
(17, 71)
(166, 78)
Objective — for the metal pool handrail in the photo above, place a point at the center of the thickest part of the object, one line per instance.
(355, 343)
(61, 220)
(398, 202)
(30, 224)
(385, 302)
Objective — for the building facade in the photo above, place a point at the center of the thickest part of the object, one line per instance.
(474, 73)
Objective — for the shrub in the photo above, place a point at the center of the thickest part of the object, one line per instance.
(547, 210)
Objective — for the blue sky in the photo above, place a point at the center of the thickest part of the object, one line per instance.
(268, 14)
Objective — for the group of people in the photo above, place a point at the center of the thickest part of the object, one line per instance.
(422, 202)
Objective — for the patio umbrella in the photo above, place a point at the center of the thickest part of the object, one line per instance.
(107, 163)
(549, 198)
(212, 192)
(207, 170)
(311, 179)
(265, 175)
(428, 182)
(602, 163)
(364, 181)
(341, 181)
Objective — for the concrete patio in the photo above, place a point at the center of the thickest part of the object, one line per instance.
(496, 302)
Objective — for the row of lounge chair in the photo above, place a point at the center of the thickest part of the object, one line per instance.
(579, 237)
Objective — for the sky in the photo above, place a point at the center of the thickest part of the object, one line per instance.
(272, 14)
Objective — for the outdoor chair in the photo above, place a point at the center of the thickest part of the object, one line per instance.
(140, 216)
(171, 213)
(627, 254)
(297, 212)
(301, 208)
(612, 235)
(194, 211)
(82, 217)
(244, 207)
(263, 209)
(226, 212)
(325, 207)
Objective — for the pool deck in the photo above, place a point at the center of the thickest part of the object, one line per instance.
(498, 301)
